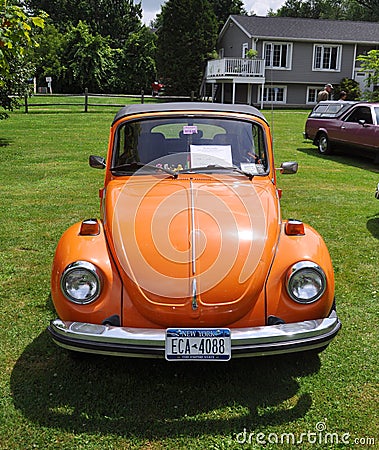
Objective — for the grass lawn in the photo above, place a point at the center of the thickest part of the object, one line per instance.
(49, 400)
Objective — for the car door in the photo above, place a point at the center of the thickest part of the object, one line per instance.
(359, 129)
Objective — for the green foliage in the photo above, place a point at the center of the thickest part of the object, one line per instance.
(48, 56)
(251, 54)
(186, 37)
(17, 36)
(372, 8)
(113, 18)
(323, 9)
(88, 59)
(224, 8)
(110, 51)
(370, 64)
(351, 87)
(135, 63)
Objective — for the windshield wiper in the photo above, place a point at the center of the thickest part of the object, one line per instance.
(212, 167)
(136, 165)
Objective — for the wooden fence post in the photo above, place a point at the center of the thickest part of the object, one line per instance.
(86, 100)
(142, 96)
(26, 104)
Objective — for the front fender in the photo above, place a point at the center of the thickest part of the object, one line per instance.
(292, 249)
(74, 247)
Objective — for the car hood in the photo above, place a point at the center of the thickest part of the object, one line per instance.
(196, 246)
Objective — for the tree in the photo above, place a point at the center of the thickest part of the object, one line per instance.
(370, 64)
(349, 86)
(112, 36)
(17, 36)
(224, 8)
(372, 6)
(186, 37)
(136, 67)
(88, 59)
(48, 56)
(113, 18)
(322, 9)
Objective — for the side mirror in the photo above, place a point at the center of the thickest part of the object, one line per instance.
(97, 162)
(289, 167)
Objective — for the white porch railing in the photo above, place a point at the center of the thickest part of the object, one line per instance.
(235, 67)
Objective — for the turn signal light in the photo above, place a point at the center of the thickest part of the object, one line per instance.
(90, 227)
(295, 228)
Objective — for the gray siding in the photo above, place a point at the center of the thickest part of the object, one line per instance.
(302, 62)
(232, 42)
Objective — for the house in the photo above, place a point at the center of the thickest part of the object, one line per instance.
(294, 59)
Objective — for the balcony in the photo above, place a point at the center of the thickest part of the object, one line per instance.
(239, 69)
(234, 71)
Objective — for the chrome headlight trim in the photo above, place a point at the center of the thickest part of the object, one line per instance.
(87, 274)
(306, 282)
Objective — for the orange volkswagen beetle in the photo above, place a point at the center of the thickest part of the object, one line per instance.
(190, 258)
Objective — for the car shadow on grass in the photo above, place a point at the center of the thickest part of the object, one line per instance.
(5, 142)
(373, 225)
(347, 156)
(150, 399)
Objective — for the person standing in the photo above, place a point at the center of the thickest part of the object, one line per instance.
(342, 96)
(324, 94)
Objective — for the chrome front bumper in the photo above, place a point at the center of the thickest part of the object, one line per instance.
(150, 343)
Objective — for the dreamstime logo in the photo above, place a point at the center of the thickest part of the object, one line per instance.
(167, 230)
(320, 435)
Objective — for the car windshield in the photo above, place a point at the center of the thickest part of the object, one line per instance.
(190, 144)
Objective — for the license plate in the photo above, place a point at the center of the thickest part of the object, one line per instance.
(211, 344)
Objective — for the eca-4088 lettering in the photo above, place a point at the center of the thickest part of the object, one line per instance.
(186, 344)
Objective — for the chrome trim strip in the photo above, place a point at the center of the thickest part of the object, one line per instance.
(193, 237)
(255, 341)
(194, 294)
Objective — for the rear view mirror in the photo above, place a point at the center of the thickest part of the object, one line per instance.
(289, 167)
(97, 162)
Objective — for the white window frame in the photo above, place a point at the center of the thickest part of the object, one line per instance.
(271, 63)
(275, 100)
(326, 53)
(245, 48)
(317, 89)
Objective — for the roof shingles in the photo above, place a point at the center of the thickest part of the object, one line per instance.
(309, 29)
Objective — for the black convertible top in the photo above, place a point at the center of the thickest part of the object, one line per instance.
(187, 106)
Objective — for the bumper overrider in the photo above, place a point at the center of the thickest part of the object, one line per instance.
(150, 343)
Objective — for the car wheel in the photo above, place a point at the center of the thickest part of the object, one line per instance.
(323, 144)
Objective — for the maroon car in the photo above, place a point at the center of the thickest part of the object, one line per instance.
(344, 124)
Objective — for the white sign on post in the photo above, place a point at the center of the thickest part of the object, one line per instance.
(48, 81)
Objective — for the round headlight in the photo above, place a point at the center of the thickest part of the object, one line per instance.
(306, 282)
(80, 282)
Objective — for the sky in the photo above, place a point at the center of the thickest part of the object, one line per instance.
(259, 7)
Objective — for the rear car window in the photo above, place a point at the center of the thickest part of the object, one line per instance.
(330, 110)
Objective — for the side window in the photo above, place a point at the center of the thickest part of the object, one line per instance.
(377, 115)
(125, 149)
(360, 113)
